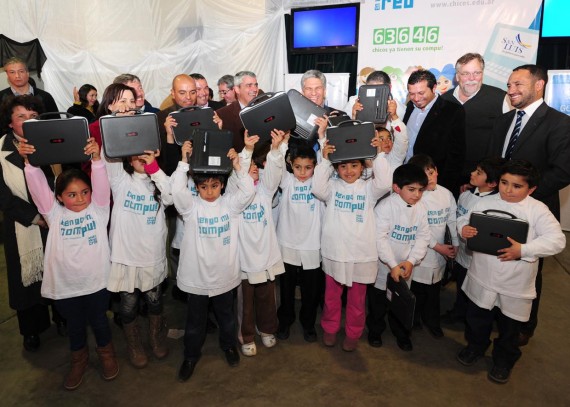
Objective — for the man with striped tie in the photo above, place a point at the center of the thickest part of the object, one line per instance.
(535, 132)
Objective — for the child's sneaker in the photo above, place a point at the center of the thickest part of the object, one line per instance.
(249, 349)
(268, 340)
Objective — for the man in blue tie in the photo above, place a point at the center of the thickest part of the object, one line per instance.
(535, 132)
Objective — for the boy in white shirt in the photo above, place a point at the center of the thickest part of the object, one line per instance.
(484, 179)
(441, 212)
(501, 288)
(402, 236)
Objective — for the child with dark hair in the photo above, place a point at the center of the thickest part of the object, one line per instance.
(76, 266)
(260, 258)
(299, 237)
(402, 237)
(484, 180)
(209, 266)
(141, 193)
(426, 279)
(500, 288)
(349, 260)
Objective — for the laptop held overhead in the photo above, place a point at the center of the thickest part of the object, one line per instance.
(374, 100)
(266, 112)
(493, 230)
(57, 141)
(126, 136)
(352, 140)
(305, 114)
(209, 151)
(191, 118)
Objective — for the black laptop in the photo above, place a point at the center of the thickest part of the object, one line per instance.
(493, 230)
(126, 136)
(374, 100)
(57, 141)
(210, 151)
(305, 114)
(266, 112)
(191, 118)
(401, 300)
(352, 140)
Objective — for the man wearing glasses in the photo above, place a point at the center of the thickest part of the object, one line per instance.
(226, 89)
(482, 104)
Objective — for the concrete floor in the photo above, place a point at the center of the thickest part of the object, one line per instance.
(295, 373)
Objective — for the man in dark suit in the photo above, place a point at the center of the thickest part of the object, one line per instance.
(543, 138)
(203, 93)
(246, 88)
(435, 127)
(482, 104)
(18, 78)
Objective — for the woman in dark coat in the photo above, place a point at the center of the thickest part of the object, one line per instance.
(25, 230)
(86, 103)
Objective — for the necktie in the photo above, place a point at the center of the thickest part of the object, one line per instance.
(514, 135)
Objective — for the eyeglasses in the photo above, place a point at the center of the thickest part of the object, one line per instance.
(224, 92)
(475, 74)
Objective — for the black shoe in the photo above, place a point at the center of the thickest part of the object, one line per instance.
(499, 374)
(283, 332)
(405, 344)
(524, 338)
(186, 370)
(375, 341)
(436, 332)
(211, 326)
(61, 327)
(468, 357)
(310, 335)
(31, 343)
(232, 356)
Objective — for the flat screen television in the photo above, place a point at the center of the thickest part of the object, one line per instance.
(555, 15)
(325, 29)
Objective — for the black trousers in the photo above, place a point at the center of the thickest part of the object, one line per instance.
(377, 310)
(460, 306)
(427, 303)
(311, 283)
(479, 323)
(196, 320)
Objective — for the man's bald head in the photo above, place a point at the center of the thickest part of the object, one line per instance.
(183, 91)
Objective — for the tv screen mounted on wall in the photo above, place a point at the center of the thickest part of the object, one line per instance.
(325, 29)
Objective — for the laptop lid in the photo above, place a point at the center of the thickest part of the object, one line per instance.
(374, 100)
(126, 136)
(493, 230)
(401, 300)
(267, 112)
(209, 151)
(351, 140)
(57, 141)
(191, 118)
(305, 114)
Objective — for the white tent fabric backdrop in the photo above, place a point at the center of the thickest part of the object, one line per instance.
(94, 41)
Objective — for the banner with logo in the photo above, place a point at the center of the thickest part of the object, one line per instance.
(400, 36)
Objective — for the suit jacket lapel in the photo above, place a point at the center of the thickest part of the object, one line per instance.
(530, 126)
(13, 157)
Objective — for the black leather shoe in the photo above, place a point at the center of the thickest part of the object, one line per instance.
(405, 344)
(436, 332)
(283, 332)
(232, 356)
(310, 335)
(499, 374)
(31, 343)
(468, 357)
(375, 341)
(186, 370)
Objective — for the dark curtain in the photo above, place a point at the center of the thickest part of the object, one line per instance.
(326, 62)
(31, 52)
